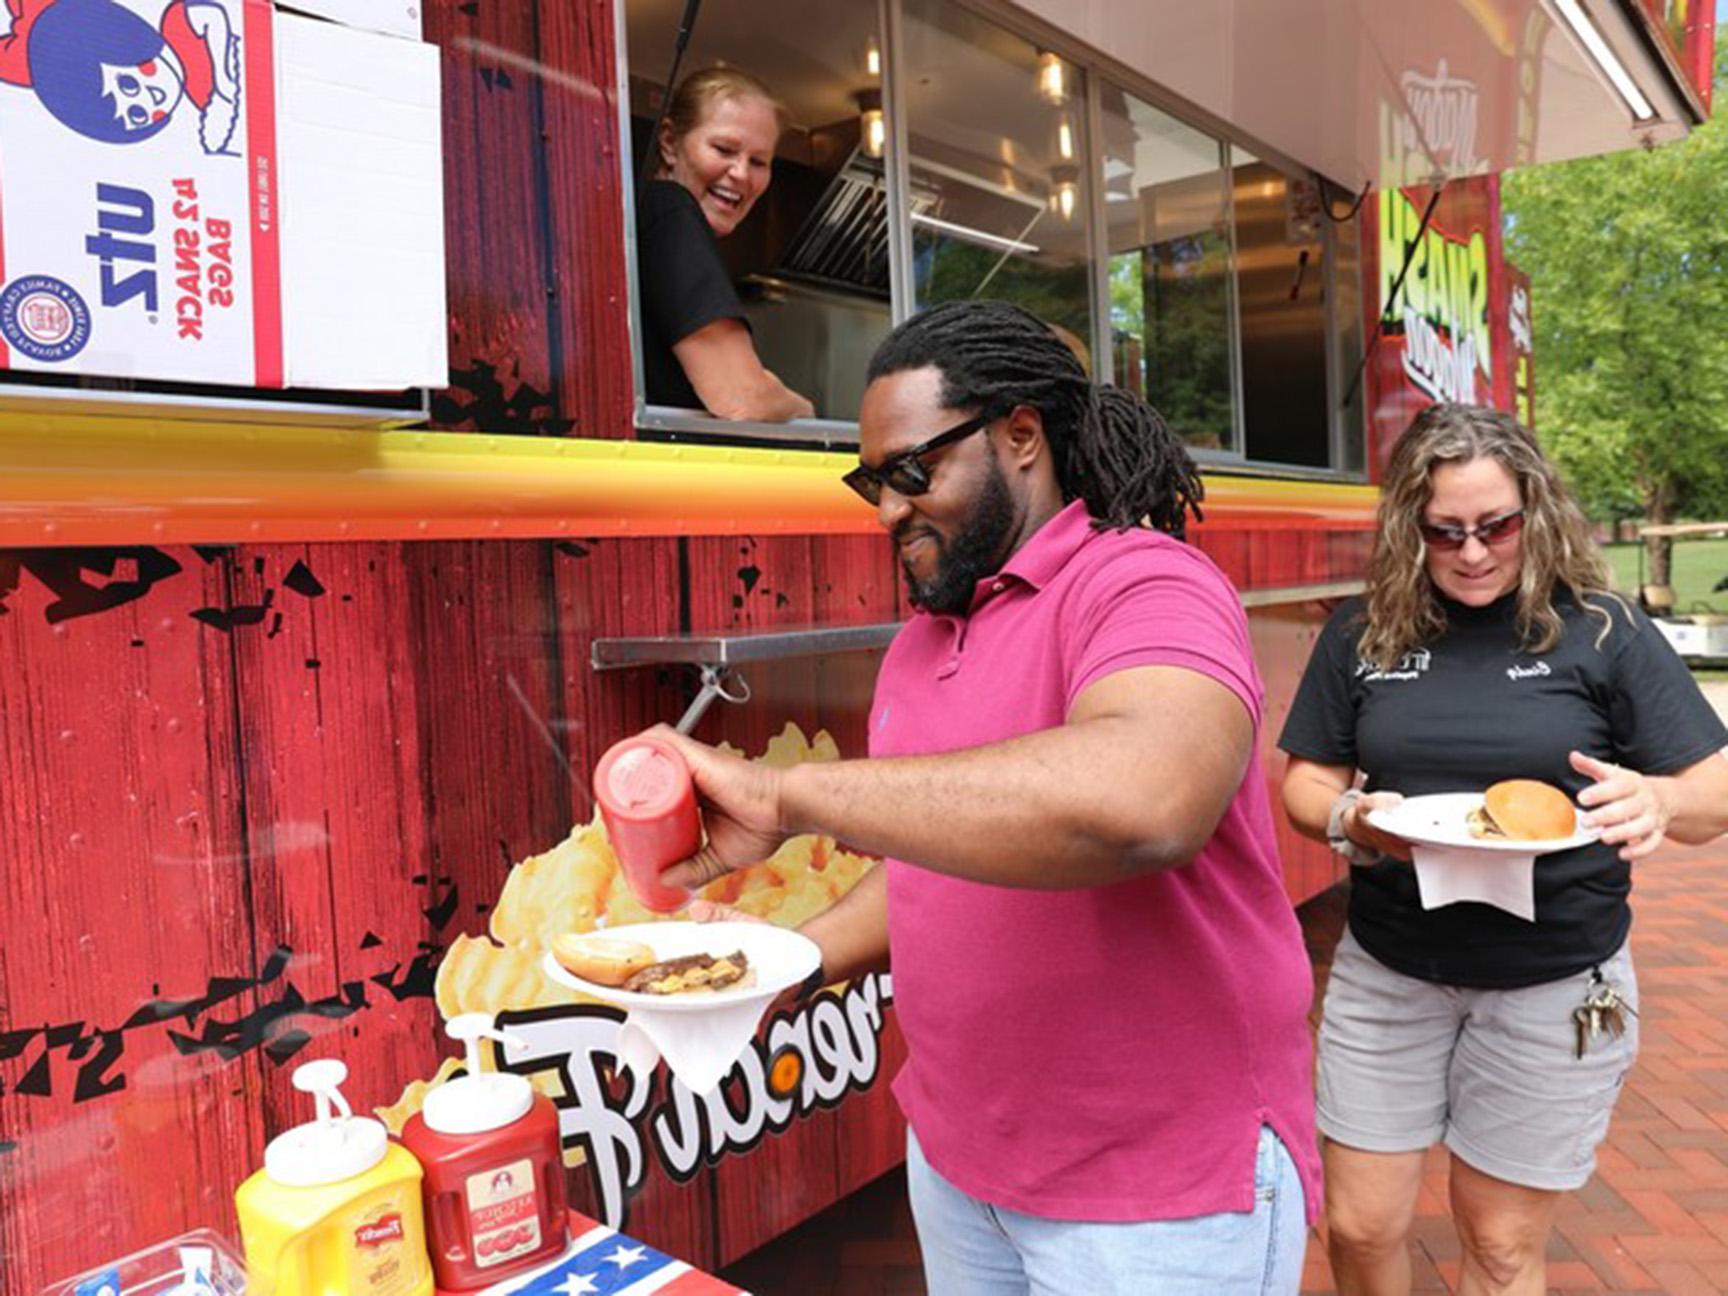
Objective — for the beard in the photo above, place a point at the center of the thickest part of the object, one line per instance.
(971, 554)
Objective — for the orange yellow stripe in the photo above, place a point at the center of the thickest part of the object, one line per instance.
(101, 480)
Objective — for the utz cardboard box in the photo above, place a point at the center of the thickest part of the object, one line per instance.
(216, 191)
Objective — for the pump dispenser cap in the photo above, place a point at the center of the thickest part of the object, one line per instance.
(332, 1147)
(480, 1100)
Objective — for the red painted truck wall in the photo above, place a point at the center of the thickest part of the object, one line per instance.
(252, 794)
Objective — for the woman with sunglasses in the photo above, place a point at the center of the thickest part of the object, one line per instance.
(1487, 647)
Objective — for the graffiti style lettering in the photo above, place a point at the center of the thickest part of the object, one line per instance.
(838, 1035)
(123, 210)
(1442, 308)
(1440, 119)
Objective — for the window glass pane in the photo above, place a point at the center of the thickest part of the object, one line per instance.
(997, 161)
(1344, 245)
(1167, 212)
(809, 261)
(1281, 291)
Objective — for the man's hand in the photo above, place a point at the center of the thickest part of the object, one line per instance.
(740, 803)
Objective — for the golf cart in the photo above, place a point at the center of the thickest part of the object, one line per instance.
(1700, 633)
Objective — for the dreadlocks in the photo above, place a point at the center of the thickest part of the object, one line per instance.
(1109, 447)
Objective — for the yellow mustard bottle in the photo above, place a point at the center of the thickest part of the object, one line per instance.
(336, 1209)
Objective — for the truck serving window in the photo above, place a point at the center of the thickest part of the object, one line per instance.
(809, 262)
(1202, 274)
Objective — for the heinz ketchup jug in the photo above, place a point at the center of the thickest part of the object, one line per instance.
(649, 805)
(494, 1187)
(336, 1207)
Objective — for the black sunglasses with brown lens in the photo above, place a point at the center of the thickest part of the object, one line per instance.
(905, 473)
(1447, 536)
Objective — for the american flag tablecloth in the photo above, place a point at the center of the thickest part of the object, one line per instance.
(604, 1262)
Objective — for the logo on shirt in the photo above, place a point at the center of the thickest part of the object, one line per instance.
(1410, 666)
(1536, 670)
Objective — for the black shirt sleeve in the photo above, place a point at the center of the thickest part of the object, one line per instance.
(1321, 725)
(1659, 717)
(684, 286)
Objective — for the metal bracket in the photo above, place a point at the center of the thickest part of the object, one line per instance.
(713, 686)
(718, 656)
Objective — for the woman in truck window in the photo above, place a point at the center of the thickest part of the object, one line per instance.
(716, 157)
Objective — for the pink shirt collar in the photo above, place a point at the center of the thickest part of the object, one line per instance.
(1038, 561)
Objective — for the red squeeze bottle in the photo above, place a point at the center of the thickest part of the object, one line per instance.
(648, 802)
(493, 1191)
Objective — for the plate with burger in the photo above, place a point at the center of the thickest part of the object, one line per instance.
(683, 967)
(1514, 817)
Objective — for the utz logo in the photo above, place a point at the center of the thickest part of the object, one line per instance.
(44, 318)
(103, 71)
(379, 1232)
(503, 1183)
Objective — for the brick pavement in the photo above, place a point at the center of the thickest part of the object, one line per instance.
(1654, 1219)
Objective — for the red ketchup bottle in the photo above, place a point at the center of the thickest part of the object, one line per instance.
(649, 805)
(494, 1185)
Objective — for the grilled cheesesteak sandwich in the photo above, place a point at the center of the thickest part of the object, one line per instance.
(692, 972)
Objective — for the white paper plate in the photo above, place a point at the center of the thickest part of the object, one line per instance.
(1439, 820)
(779, 957)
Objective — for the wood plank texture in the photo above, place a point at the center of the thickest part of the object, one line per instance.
(251, 794)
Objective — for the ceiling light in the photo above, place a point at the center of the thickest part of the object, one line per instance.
(1605, 58)
(1052, 79)
(1064, 190)
(872, 128)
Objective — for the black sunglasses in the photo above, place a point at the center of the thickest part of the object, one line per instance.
(905, 472)
(1444, 535)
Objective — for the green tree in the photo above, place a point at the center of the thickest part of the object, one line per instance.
(1628, 260)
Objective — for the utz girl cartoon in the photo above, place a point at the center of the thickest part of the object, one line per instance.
(106, 73)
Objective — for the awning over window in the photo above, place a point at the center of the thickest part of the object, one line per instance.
(1399, 91)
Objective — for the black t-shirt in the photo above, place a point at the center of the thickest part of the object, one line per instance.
(1473, 708)
(684, 286)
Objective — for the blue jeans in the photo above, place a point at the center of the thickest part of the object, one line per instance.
(972, 1248)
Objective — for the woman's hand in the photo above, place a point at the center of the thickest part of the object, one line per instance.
(740, 802)
(1359, 830)
(1631, 810)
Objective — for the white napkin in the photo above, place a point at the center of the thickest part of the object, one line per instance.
(699, 1047)
(1507, 881)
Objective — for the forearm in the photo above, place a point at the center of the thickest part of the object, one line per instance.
(1697, 801)
(1056, 809)
(852, 933)
(1308, 799)
(759, 398)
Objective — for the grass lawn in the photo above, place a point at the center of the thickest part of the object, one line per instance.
(1698, 565)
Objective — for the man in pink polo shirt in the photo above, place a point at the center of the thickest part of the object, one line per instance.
(1101, 984)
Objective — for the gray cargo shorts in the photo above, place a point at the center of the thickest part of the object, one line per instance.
(1494, 1074)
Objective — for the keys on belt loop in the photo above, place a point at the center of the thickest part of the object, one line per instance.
(1603, 1010)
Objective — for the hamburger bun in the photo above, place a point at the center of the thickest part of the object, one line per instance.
(604, 960)
(1524, 810)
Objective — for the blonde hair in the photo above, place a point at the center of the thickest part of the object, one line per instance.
(697, 94)
(1555, 546)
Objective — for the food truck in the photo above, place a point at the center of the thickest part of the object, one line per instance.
(338, 540)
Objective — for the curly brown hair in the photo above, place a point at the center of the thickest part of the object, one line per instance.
(1402, 610)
